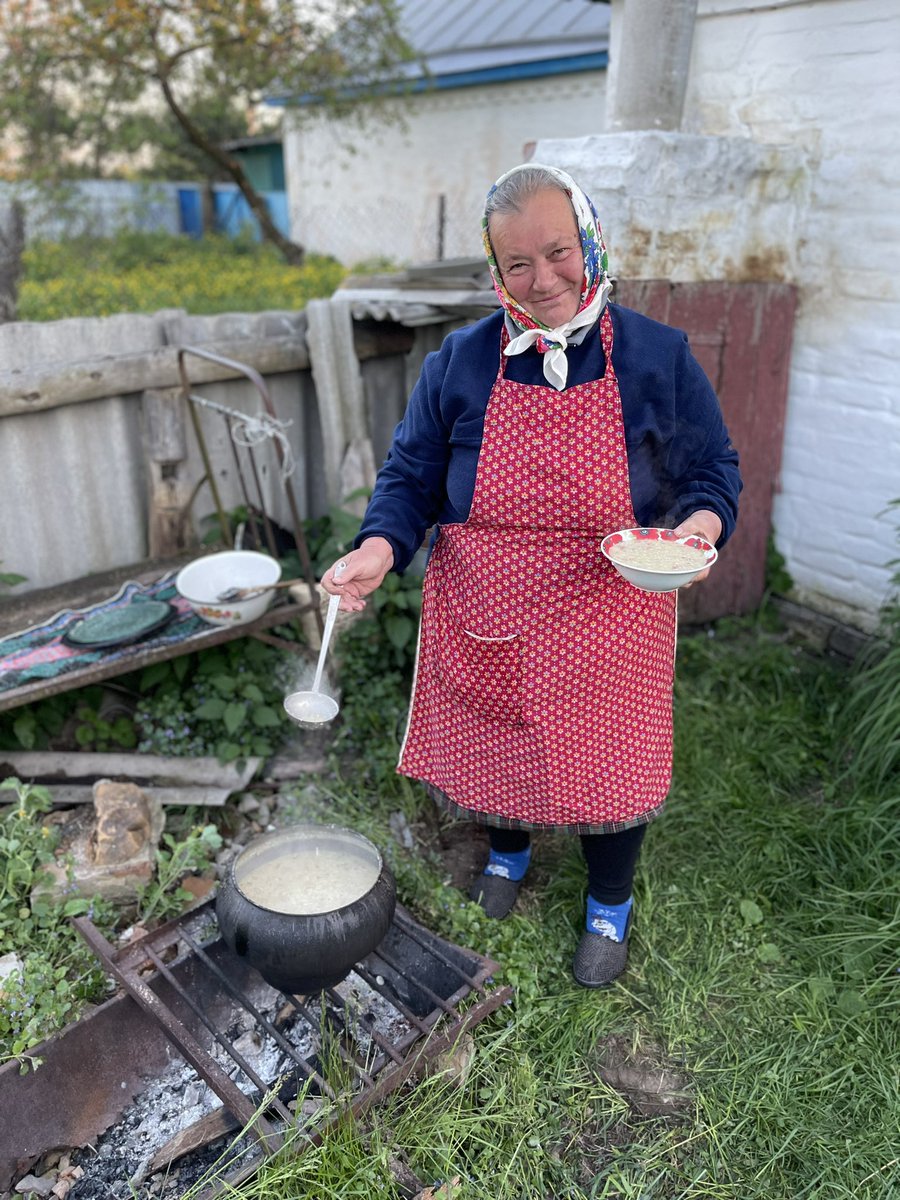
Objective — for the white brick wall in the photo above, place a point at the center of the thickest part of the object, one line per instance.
(824, 75)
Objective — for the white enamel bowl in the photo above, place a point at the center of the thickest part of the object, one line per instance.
(658, 579)
(204, 579)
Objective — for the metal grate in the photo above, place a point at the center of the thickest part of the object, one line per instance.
(339, 1048)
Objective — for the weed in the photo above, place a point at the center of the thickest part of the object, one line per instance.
(56, 972)
(10, 579)
(225, 702)
(762, 964)
(26, 845)
(96, 732)
(164, 897)
(139, 272)
(34, 726)
(870, 728)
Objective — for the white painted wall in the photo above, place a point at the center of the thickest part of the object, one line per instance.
(363, 195)
(787, 167)
(824, 75)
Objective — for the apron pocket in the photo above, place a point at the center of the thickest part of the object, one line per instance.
(485, 674)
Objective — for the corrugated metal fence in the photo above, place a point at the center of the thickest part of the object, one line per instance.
(76, 465)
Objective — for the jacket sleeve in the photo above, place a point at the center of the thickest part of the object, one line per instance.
(410, 489)
(701, 462)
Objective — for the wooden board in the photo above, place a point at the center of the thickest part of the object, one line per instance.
(741, 335)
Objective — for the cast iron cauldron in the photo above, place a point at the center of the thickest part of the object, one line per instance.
(304, 904)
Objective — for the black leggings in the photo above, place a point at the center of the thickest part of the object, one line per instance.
(611, 858)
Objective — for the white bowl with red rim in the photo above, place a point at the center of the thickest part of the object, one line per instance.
(662, 577)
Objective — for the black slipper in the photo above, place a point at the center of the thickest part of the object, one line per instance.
(599, 960)
(495, 894)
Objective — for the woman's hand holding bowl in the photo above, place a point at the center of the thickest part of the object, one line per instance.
(358, 573)
(706, 524)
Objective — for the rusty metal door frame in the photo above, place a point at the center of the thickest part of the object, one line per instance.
(231, 417)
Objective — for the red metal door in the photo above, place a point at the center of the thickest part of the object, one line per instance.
(741, 335)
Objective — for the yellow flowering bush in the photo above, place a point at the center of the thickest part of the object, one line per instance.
(135, 272)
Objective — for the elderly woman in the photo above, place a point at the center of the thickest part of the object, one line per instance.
(543, 687)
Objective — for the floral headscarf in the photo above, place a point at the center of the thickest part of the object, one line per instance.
(594, 290)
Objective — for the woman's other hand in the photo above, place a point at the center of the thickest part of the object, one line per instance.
(704, 523)
(359, 573)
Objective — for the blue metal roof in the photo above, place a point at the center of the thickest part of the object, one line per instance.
(475, 40)
(467, 42)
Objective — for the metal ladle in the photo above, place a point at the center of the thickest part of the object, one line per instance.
(314, 708)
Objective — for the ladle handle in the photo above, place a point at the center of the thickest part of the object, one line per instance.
(330, 618)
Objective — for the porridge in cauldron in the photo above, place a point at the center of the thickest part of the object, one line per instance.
(314, 879)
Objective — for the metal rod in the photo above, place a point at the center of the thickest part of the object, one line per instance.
(224, 527)
(267, 524)
(412, 931)
(432, 995)
(348, 1058)
(276, 1034)
(209, 1070)
(368, 1021)
(261, 1084)
(240, 473)
(389, 992)
(255, 378)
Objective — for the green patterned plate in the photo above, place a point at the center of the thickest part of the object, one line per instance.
(119, 626)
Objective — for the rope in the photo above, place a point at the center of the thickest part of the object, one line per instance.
(251, 431)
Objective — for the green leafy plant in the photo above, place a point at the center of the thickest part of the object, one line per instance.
(164, 897)
(26, 844)
(870, 724)
(57, 971)
(34, 726)
(397, 604)
(96, 732)
(148, 272)
(225, 702)
(80, 718)
(332, 534)
(10, 579)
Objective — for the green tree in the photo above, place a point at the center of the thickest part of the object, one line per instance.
(220, 118)
(76, 74)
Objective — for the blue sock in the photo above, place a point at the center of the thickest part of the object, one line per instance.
(608, 920)
(509, 866)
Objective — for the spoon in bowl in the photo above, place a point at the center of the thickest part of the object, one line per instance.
(237, 593)
(309, 709)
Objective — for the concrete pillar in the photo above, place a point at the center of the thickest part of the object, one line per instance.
(650, 53)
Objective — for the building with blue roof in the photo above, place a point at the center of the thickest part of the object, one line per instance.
(491, 79)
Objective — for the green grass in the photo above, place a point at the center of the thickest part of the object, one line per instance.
(763, 966)
(142, 273)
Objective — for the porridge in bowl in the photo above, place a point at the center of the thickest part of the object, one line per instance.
(655, 559)
(659, 555)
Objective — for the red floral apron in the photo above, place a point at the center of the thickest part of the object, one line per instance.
(543, 690)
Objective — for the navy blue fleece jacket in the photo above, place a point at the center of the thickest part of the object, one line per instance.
(680, 457)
